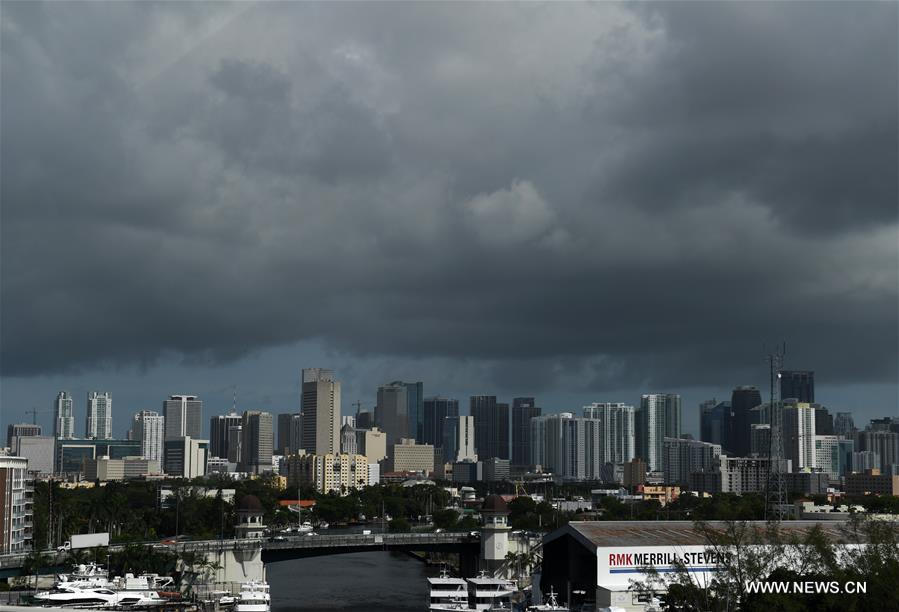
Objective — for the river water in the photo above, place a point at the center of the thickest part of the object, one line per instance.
(363, 582)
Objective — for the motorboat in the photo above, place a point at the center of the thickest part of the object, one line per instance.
(447, 594)
(486, 593)
(72, 596)
(552, 604)
(254, 597)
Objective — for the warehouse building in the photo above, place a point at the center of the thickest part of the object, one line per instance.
(594, 562)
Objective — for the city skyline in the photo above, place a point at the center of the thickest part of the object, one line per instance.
(576, 202)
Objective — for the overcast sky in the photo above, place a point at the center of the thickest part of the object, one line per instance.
(582, 202)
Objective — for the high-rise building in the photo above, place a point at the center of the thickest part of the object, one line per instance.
(372, 443)
(235, 443)
(348, 445)
(16, 430)
(884, 443)
(220, 433)
(459, 439)
(331, 472)
(523, 410)
(16, 505)
(365, 420)
(148, 427)
(823, 421)
(798, 385)
(392, 411)
(684, 457)
(743, 399)
(436, 409)
(844, 425)
(827, 455)
(99, 416)
(714, 421)
(567, 446)
(415, 407)
(285, 428)
(759, 439)
(256, 442)
(185, 457)
(40, 451)
(491, 426)
(183, 416)
(63, 416)
(407, 456)
(321, 412)
(616, 430)
(799, 434)
(659, 417)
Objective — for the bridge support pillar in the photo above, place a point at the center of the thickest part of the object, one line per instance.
(236, 566)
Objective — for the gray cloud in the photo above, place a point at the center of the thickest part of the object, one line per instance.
(623, 194)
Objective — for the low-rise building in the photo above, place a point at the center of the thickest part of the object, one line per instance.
(872, 482)
(662, 494)
(496, 470)
(407, 456)
(328, 472)
(39, 450)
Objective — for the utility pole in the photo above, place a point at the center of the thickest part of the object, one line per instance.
(775, 489)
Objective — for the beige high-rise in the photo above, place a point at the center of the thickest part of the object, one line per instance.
(320, 405)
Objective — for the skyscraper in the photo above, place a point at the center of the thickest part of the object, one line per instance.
(523, 410)
(320, 402)
(256, 443)
(183, 416)
(415, 407)
(742, 401)
(714, 421)
(798, 385)
(823, 421)
(348, 445)
(799, 434)
(844, 425)
(285, 423)
(459, 443)
(392, 411)
(491, 426)
(616, 430)
(64, 416)
(436, 409)
(99, 416)
(220, 434)
(567, 446)
(148, 427)
(659, 417)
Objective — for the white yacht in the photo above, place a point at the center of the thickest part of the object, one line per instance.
(71, 596)
(485, 593)
(447, 594)
(254, 597)
(551, 605)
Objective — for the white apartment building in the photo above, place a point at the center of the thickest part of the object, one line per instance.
(64, 416)
(148, 426)
(16, 505)
(618, 435)
(827, 455)
(99, 416)
(328, 472)
(799, 434)
(684, 457)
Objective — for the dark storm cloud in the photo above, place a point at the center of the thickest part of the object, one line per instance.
(616, 194)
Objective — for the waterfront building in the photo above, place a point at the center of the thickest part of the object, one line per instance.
(328, 472)
(40, 451)
(320, 404)
(21, 430)
(99, 416)
(407, 456)
(183, 416)
(659, 417)
(684, 457)
(220, 434)
(436, 409)
(148, 427)
(185, 457)
(523, 410)
(491, 426)
(63, 416)
(16, 505)
(256, 442)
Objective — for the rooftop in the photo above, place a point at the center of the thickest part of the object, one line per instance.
(672, 533)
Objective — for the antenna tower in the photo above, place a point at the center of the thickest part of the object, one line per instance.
(775, 489)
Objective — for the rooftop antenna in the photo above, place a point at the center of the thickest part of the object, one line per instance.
(775, 488)
(234, 399)
(358, 405)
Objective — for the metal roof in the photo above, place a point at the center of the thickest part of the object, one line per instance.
(595, 534)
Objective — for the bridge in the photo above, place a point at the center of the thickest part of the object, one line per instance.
(465, 544)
